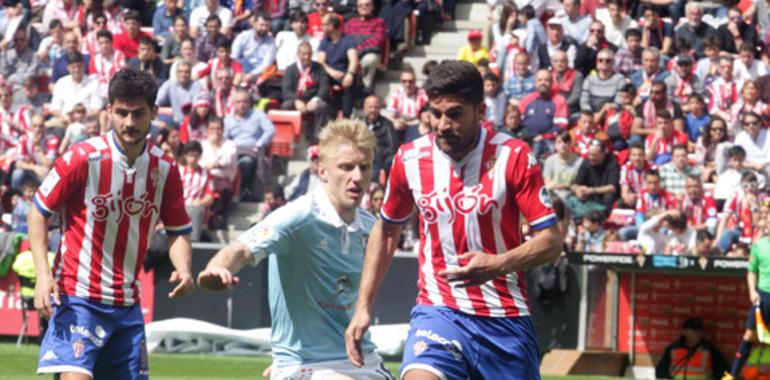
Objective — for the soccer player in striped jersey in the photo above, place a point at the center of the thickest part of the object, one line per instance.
(110, 192)
(315, 251)
(470, 186)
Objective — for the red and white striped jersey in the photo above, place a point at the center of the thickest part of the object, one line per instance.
(28, 151)
(654, 204)
(722, 95)
(701, 210)
(740, 209)
(632, 177)
(109, 211)
(196, 183)
(105, 68)
(407, 106)
(466, 206)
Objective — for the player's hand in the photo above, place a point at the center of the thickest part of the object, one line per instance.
(185, 284)
(355, 334)
(754, 297)
(44, 288)
(479, 268)
(217, 279)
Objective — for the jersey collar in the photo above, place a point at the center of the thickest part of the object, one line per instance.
(328, 214)
(118, 151)
(468, 157)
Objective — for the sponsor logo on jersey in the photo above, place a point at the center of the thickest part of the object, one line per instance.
(81, 330)
(452, 346)
(49, 355)
(466, 202)
(104, 205)
(99, 330)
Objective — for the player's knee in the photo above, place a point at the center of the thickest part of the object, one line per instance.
(73, 376)
(420, 374)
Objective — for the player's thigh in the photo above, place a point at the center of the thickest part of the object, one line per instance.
(373, 369)
(436, 344)
(74, 338)
(124, 357)
(507, 347)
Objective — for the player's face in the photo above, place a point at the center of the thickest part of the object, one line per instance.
(131, 120)
(456, 123)
(346, 177)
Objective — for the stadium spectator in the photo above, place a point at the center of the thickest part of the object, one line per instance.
(682, 82)
(596, 183)
(288, 41)
(692, 355)
(567, 81)
(36, 152)
(652, 200)
(376, 195)
(522, 82)
(616, 22)
(207, 71)
(423, 128)
(695, 31)
(704, 244)
(696, 119)
(656, 33)
(197, 187)
(164, 19)
(545, 115)
(220, 158)
(753, 139)
(723, 91)
(339, 57)
(674, 172)
(89, 44)
(75, 88)
(576, 25)
(206, 45)
(178, 94)
(59, 64)
(307, 181)
(255, 49)
(659, 145)
(629, 58)
(650, 72)
(534, 33)
(51, 46)
(172, 44)
(224, 92)
(735, 32)
(78, 132)
(369, 34)
(147, 61)
(202, 15)
(586, 58)
(405, 102)
(106, 62)
(714, 134)
(31, 98)
(632, 175)
(591, 236)
(306, 89)
(18, 63)
(739, 208)
(707, 68)
(195, 123)
(555, 42)
(186, 53)
(274, 199)
(252, 132)
(560, 168)
(473, 52)
(495, 100)
(746, 67)
(602, 86)
(315, 19)
(730, 179)
(698, 205)
(675, 239)
(63, 10)
(127, 41)
(277, 12)
(748, 102)
(385, 132)
(617, 119)
(645, 123)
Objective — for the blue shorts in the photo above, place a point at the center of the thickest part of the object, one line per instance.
(764, 307)
(454, 345)
(98, 340)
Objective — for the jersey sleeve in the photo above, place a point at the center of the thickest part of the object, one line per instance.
(64, 180)
(754, 257)
(272, 235)
(172, 211)
(529, 192)
(398, 202)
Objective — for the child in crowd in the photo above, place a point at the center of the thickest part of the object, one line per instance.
(198, 189)
(696, 119)
(21, 205)
(274, 199)
(632, 175)
(495, 100)
(591, 234)
(739, 209)
(473, 52)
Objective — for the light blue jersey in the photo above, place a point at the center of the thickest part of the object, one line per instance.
(314, 264)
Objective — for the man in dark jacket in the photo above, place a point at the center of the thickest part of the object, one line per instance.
(585, 61)
(597, 182)
(691, 356)
(387, 139)
(147, 60)
(306, 89)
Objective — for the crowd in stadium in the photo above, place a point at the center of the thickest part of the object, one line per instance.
(648, 117)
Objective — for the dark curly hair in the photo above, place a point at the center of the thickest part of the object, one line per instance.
(457, 78)
(128, 84)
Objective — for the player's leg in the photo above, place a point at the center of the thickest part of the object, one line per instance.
(124, 357)
(744, 347)
(373, 369)
(436, 348)
(506, 346)
(73, 340)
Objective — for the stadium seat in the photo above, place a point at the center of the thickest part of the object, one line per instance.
(288, 125)
(291, 117)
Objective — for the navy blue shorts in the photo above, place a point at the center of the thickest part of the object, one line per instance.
(98, 340)
(764, 307)
(454, 345)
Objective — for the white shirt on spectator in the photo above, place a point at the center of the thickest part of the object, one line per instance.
(199, 15)
(577, 29)
(57, 10)
(225, 156)
(727, 182)
(756, 151)
(287, 43)
(655, 241)
(616, 35)
(67, 93)
(743, 73)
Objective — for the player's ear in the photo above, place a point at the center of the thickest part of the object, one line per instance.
(322, 173)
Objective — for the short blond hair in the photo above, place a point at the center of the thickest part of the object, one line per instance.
(345, 132)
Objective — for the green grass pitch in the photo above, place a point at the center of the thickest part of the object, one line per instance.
(20, 363)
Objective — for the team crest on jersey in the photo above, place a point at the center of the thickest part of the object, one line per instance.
(77, 348)
(419, 347)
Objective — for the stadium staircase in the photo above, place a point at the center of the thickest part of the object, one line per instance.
(444, 45)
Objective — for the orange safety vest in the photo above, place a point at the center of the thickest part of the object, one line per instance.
(697, 366)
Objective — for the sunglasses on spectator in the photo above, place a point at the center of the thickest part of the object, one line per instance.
(604, 60)
(751, 123)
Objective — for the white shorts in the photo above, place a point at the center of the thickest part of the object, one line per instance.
(373, 369)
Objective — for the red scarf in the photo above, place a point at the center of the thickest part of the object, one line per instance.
(563, 84)
(683, 88)
(223, 103)
(305, 79)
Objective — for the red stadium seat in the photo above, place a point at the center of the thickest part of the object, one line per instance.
(288, 126)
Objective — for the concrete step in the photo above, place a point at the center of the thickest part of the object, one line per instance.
(449, 40)
(418, 62)
(384, 88)
(434, 50)
(464, 25)
(476, 12)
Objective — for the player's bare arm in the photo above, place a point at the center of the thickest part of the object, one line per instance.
(379, 254)
(481, 267)
(45, 284)
(220, 271)
(180, 253)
